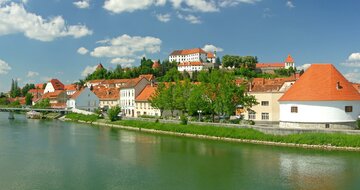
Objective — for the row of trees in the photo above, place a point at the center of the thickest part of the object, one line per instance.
(239, 61)
(215, 94)
(16, 91)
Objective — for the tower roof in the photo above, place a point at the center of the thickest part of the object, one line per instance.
(100, 66)
(321, 82)
(156, 65)
(289, 59)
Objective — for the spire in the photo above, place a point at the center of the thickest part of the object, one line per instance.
(100, 66)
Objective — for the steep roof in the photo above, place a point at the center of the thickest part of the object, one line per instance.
(188, 51)
(289, 59)
(321, 82)
(77, 93)
(100, 66)
(149, 77)
(57, 84)
(146, 93)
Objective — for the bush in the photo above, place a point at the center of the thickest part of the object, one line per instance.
(157, 121)
(183, 120)
(251, 122)
(114, 113)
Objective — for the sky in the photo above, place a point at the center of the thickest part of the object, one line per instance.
(65, 39)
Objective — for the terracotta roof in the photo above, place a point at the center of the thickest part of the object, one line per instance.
(96, 81)
(190, 64)
(133, 82)
(39, 86)
(210, 55)
(356, 86)
(21, 100)
(77, 93)
(156, 65)
(34, 91)
(57, 84)
(321, 82)
(264, 65)
(115, 81)
(146, 93)
(51, 95)
(149, 77)
(70, 87)
(107, 93)
(289, 59)
(188, 51)
(100, 66)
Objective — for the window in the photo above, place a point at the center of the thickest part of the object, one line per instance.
(348, 109)
(252, 115)
(265, 103)
(264, 116)
(294, 109)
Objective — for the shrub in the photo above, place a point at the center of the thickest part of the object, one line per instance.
(157, 121)
(113, 113)
(183, 120)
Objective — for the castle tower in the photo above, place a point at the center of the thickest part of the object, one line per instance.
(289, 62)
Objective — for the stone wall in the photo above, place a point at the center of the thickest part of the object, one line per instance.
(342, 125)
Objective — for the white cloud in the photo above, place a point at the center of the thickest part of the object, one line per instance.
(212, 48)
(231, 3)
(15, 19)
(122, 61)
(353, 76)
(25, 1)
(195, 5)
(190, 18)
(83, 4)
(4, 67)
(120, 6)
(82, 51)
(88, 70)
(352, 61)
(304, 66)
(163, 17)
(290, 4)
(31, 74)
(127, 46)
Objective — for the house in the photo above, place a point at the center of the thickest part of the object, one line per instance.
(188, 55)
(57, 98)
(83, 99)
(114, 83)
(211, 57)
(271, 67)
(129, 92)
(321, 98)
(39, 86)
(108, 97)
(267, 93)
(53, 85)
(143, 105)
(36, 93)
(190, 66)
(92, 83)
(70, 89)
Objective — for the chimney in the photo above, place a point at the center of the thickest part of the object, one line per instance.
(338, 86)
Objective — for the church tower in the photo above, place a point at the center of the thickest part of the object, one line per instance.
(289, 62)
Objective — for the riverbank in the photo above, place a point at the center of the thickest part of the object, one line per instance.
(311, 140)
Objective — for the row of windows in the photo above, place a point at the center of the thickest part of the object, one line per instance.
(129, 93)
(264, 116)
(294, 109)
(127, 102)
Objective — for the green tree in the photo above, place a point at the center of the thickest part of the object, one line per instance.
(181, 94)
(158, 99)
(172, 76)
(42, 104)
(28, 99)
(113, 113)
(26, 89)
(197, 101)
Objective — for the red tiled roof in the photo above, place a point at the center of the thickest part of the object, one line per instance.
(149, 77)
(39, 86)
(34, 91)
(70, 87)
(188, 51)
(190, 64)
(115, 81)
(107, 93)
(146, 93)
(57, 84)
(289, 59)
(264, 65)
(133, 82)
(320, 83)
(210, 55)
(100, 66)
(96, 81)
(52, 95)
(356, 86)
(77, 93)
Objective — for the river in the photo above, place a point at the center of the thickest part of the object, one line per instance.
(49, 155)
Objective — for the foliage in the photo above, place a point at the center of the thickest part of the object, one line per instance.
(171, 76)
(285, 72)
(113, 113)
(183, 120)
(26, 89)
(28, 99)
(15, 90)
(334, 139)
(45, 103)
(4, 101)
(81, 117)
(239, 61)
(15, 104)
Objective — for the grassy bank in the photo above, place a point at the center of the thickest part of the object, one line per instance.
(336, 139)
(81, 117)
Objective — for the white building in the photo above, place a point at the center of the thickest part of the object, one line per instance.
(143, 105)
(83, 99)
(129, 92)
(52, 85)
(321, 98)
(188, 55)
(190, 66)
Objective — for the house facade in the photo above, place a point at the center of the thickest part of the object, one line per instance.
(109, 97)
(83, 99)
(53, 85)
(143, 105)
(321, 98)
(190, 66)
(188, 55)
(57, 99)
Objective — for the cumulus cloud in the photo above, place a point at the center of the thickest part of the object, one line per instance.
(190, 18)
(31, 74)
(304, 66)
(4, 67)
(290, 4)
(83, 4)
(127, 46)
(353, 76)
(352, 61)
(88, 70)
(122, 61)
(231, 3)
(120, 6)
(212, 48)
(82, 51)
(15, 19)
(195, 5)
(163, 17)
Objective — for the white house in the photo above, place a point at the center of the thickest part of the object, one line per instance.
(83, 99)
(129, 92)
(188, 55)
(190, 66)
(109, 97)
(321, 98)
(52, 85)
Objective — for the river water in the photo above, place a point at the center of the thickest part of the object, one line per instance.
(38, 154)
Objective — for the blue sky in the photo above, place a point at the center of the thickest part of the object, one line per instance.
(65, 39)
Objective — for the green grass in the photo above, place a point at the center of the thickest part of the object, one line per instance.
(335, 139)
(81, 117)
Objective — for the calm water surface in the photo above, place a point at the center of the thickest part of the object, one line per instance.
(58, 155)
